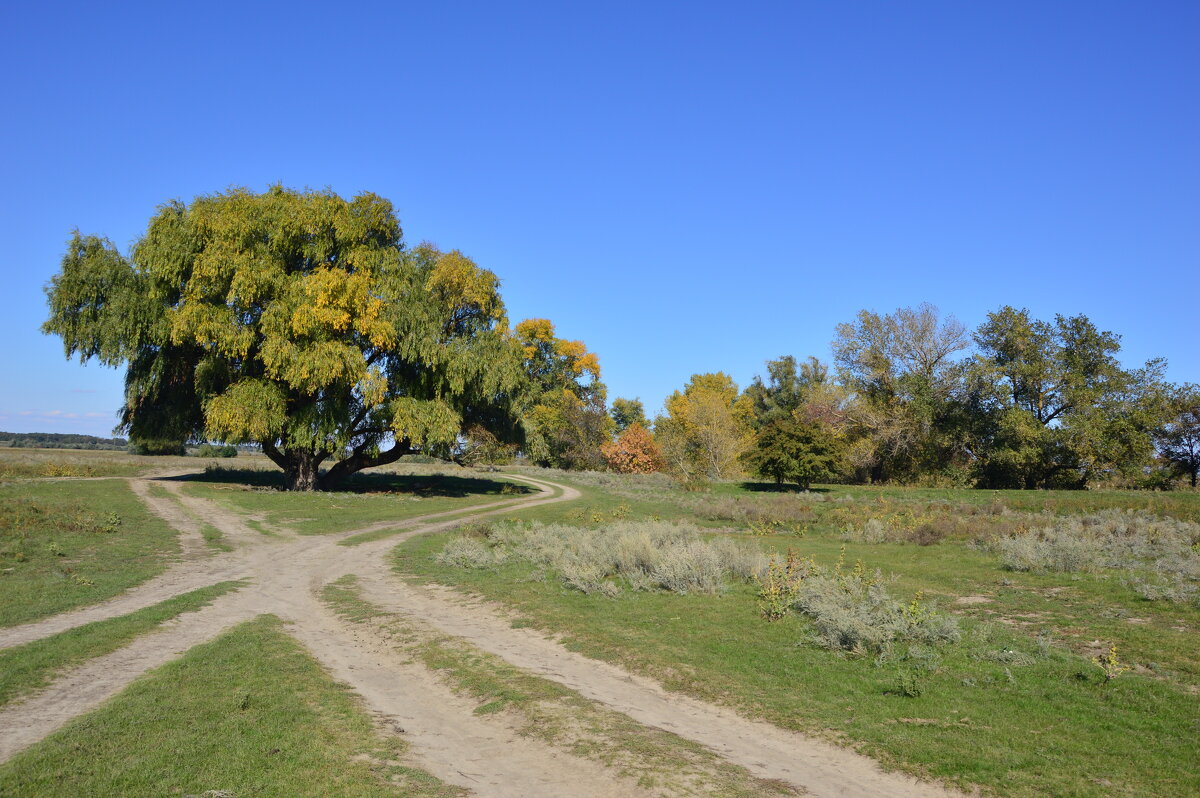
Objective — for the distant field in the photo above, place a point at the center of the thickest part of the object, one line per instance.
(50, 463)
(1016, 704)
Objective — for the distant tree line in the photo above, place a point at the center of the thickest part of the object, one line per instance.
(913, 398)
(302, 323)
(54, 440)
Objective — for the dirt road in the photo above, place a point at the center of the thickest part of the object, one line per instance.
(284, 574)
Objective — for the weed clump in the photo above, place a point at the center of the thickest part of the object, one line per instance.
(851, 611)
(1161, 556)
(638, 555)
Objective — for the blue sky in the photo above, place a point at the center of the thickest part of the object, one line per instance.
(684, 187)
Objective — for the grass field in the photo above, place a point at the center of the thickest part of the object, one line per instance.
(1014, 698)
(59, 463)
(249, 713)
(29, 667)
(66, 544)
(1017, 705)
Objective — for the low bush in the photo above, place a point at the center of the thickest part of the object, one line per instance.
(1160, 555)
(851, 611)
(641, 555)
(781, 508)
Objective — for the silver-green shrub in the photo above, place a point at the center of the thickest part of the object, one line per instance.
(1161, 555)
(642, 555)
(854, 612)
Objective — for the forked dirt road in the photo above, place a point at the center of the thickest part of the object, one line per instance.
(284, 574)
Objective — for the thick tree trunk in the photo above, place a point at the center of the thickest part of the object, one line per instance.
(359, 460)
(301, 468)
(302, 472)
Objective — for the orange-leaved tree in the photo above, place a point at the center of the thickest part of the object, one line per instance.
(633, 452)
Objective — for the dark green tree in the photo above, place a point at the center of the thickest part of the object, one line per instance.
(788, 385)
(1064, 409)
(1178, 440)
(789, 449)
(297, 320)
(626, 412)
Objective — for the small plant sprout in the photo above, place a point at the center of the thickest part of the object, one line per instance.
(1111, 665)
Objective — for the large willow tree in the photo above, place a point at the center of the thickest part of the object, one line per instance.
(297, 320)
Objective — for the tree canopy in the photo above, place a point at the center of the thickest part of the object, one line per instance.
(706, 429)
(565, 414)
(790, 449)
(297, 320)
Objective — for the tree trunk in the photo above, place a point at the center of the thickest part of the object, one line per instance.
(301, 468)
(302, 471)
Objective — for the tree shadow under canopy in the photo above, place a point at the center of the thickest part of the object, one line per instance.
(785, 487)
(423, 485)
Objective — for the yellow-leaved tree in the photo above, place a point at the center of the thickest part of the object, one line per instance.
(565, 417)
(296, 320)
(706, 428)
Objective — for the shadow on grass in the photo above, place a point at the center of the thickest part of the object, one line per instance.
(424, 485)
(787, 487)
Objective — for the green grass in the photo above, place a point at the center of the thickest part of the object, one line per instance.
(997, 709)
(68, 544)
(250, 713)
(371, 498)
(555, 714)
(20, 463)
(29, 667)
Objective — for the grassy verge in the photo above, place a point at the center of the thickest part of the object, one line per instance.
(1001, 709)
(373, 498)
(68, 544)
(249, 713)
(26, 668)
(558, 716)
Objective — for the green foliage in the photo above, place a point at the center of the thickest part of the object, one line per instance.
(1178, 440)
(156, 447)
(1062, 409)
(707, 428)
(788, 388)
(626, 412)
(566, 422)
(788, 449)
(54, 440)
(298, 320)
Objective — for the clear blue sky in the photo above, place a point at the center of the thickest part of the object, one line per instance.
(686, 187)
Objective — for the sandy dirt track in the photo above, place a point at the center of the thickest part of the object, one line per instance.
(283, 575)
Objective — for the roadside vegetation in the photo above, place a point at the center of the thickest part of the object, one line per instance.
(256, 716)
(31, 666)
(892, 618)
(66, 544)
